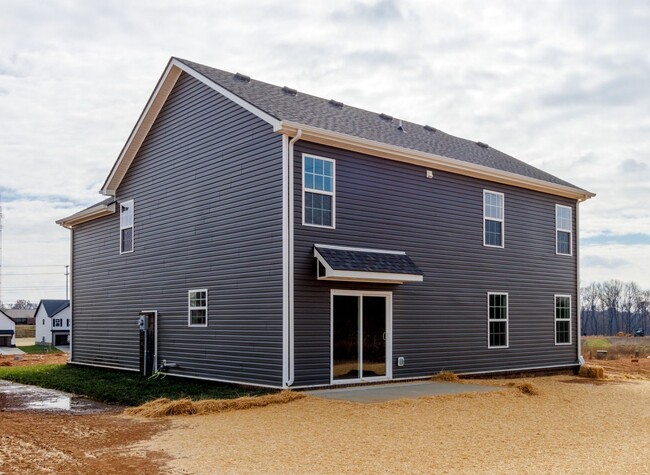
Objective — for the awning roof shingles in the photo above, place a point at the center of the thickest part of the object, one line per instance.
(368, 261)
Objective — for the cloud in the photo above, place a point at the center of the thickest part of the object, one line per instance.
(607, 263)
(379, 12)
(634, 167)
(632, 239)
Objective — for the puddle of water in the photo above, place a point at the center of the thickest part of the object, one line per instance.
(21, 397)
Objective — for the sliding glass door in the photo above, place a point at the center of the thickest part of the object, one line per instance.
(360, 330)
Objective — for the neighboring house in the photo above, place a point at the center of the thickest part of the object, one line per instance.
(259, 235)
(53, 322)
(7, 330)
(22, 316)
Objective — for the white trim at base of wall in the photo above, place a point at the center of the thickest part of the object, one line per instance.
(121, 368)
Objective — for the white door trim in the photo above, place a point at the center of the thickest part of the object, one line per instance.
(389, 333)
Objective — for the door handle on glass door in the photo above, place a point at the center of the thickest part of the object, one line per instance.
(383, 336)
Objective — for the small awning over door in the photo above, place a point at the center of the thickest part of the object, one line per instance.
(365, 265)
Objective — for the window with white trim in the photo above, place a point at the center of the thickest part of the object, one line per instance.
(197, 303)
(497, 320)
(126, 226)
(563, 229)
(57, 322)
(562, 319)
(318, 191)
(493, 218)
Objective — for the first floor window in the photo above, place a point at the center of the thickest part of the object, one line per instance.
(126, 226)
(562, 319)
(497, 320)
(198, 308)
(318, 185)
(493, 218)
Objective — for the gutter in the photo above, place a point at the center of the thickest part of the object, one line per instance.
(97, 211)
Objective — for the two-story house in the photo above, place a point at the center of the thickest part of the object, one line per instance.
(53, 322)
(260, 235)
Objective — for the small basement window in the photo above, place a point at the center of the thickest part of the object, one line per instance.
(126, 226)
(198, 308)
(563, 229)
(562, 319)
(497, 320)
(493, 218)
(318, 191)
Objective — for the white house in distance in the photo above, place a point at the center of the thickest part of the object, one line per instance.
(53, 322)
(7, 330)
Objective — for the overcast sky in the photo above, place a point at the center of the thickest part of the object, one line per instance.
(562, 85)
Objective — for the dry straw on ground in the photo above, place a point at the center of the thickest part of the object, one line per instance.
(527, 388)
(186, 407)
(448, 376)
(592, 371)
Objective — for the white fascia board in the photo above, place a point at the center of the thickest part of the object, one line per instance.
(87, 215)
(361, 276)
(359, 249)
(153, 108)
(452, 165)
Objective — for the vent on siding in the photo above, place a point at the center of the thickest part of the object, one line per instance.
(242, 77)
(386, 117)
(481, 144)
(288, 90)
(336, 103)
(428, 128)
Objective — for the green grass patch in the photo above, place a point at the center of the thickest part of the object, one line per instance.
(121, 387)
(596, 344)
(39, 349)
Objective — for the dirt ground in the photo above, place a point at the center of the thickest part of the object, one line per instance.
(574, 425)
(28, 360)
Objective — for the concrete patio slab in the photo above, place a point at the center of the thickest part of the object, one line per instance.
(390, 392)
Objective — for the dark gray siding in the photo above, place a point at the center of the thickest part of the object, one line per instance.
(207, 185)
(441, 323)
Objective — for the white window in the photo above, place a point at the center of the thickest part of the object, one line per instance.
(318, 191)
(493, 213)
(497, 320)
(562, 319)
(126, 226)
(57, 322)
(563, 229)
(197, 302)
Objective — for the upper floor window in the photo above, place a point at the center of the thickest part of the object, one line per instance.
(67, 322)
(493, 211)
(563, 229)
(562, 319)
(318, 191)
(126, 226)
(198, 308)
(57, 322)
(497, 320)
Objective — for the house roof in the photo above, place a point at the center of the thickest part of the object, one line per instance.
(52, 307)
(4, 314)
(19, 312)
(330, 122)
(103, 208)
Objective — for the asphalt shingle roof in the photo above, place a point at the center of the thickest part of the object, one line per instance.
(314, 111)
(52, 307)
(366, 261)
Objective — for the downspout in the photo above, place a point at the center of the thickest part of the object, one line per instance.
(291, 200)
(581, 360)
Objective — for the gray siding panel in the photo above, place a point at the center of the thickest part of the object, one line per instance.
(441, 323)
(207, 185)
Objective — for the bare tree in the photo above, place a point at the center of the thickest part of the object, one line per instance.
(23, 304)
(590, 301)
(629, 299)
(610, 295)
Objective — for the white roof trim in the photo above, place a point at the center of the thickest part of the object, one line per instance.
(361, 276)
(89, 214)
(151, 111)
(401, 154)
(359, 249)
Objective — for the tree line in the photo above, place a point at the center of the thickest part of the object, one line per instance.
(614, 306)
